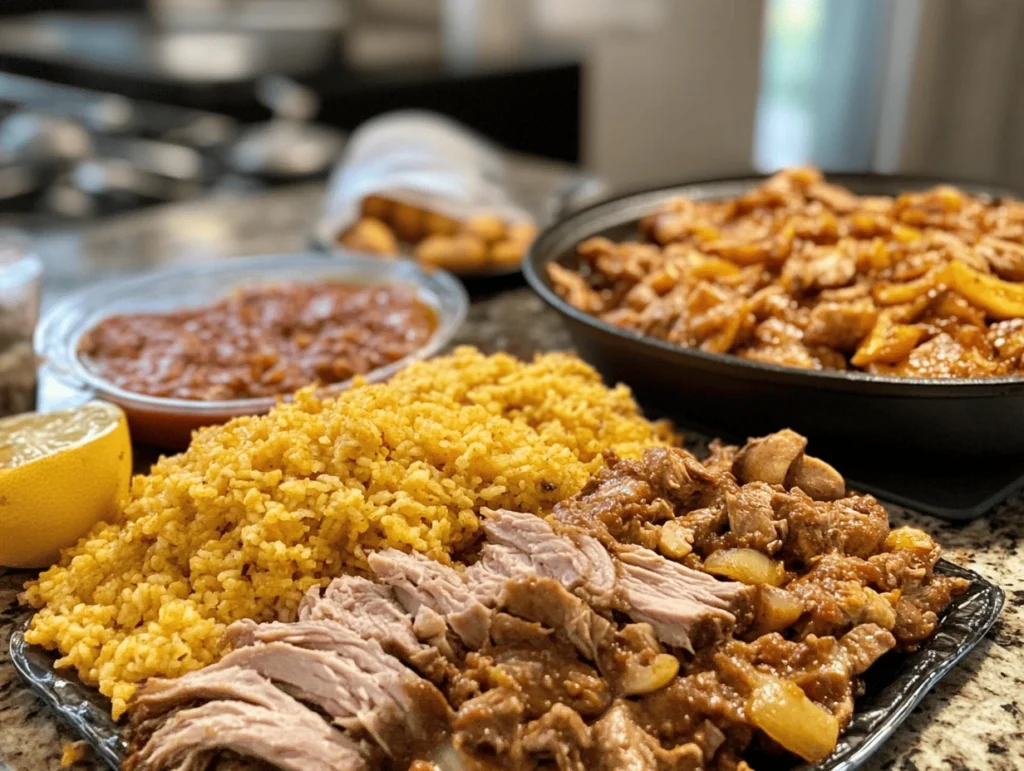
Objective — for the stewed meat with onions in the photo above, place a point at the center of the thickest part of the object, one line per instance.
(675, 614)
(802, 273)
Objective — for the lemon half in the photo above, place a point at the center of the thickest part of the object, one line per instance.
(60, 473)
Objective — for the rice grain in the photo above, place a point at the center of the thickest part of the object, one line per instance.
(258, 510)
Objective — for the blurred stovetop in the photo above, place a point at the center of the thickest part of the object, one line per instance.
(80, 154)
(357, 70)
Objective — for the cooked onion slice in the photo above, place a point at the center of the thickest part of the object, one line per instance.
(910, 539)
(776, 610)
(782, 710)
(640, 679)
(746, 566)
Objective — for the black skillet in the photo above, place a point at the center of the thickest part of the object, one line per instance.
(952, 447)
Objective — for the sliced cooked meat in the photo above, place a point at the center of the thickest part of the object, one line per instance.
(289, 737)
(687, 609)
(371, 611)
(161, 695)
(420, 581)
(497, 564)
(524, 543)
(560, 735)
(428, 623)
(358, 685)
(229, 761)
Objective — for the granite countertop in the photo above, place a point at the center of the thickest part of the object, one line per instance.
(974, 718)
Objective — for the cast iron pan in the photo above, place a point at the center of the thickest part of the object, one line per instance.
(952, 447)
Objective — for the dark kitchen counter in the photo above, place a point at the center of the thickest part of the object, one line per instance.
(973, 720)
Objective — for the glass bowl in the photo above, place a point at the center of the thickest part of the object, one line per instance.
(168, 422)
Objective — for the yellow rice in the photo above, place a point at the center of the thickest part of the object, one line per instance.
(255, 512)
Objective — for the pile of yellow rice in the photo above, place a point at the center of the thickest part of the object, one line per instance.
(255, 512)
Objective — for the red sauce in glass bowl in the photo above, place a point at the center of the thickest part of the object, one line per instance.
(261, 341)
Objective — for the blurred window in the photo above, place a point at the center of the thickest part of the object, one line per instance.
(820, 83)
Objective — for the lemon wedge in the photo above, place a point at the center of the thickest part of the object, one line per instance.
(60, 473)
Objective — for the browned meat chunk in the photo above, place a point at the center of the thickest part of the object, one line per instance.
(626, 496)
(548, 675)
(837, 595)
(1007, 341)
(840, 325)
(549, 604)
(573, 288)
(487, 730)
(944, 356)
(793, 355)
(419, 581)
(857, 525)
(907, 571)
(818, 268)
(917, 610)
(866, 644)
(676, 475)
(687, 609)
(720, 457)
(615, 505)
(560, 735)
(752, 518)
(620, 744)
(1004, 256)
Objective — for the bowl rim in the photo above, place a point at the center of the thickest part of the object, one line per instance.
(57, 345)
(553, 241)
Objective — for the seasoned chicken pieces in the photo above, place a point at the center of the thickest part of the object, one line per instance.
(801, 273)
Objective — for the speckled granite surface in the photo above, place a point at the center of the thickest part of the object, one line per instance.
(974, 719)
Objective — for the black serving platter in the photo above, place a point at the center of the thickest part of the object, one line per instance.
(893, 686)
(951, 447)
